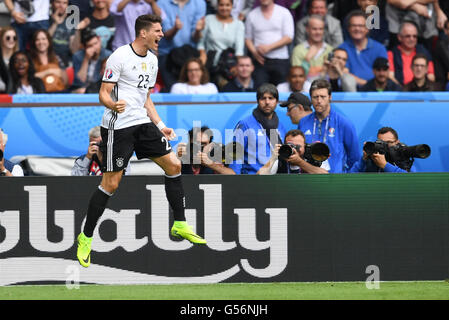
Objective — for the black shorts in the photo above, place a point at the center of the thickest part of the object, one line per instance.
(119, 145)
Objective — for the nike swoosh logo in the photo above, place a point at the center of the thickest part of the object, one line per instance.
(87, 260)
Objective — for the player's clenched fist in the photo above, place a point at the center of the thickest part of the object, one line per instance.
(119, 106)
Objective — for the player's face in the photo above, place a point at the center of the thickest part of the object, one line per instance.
(153, 35)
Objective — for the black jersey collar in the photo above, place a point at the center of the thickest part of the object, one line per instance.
(136, 52)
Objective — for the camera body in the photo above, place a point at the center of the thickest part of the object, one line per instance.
(400, 154)
(330, 56)
(219, 152)
(314, 153)
(1, 155)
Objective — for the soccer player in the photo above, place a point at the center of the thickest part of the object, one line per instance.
(131, 123)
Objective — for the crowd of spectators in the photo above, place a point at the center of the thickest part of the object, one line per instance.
(290, 43)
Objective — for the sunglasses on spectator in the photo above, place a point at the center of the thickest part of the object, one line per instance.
(8, 38)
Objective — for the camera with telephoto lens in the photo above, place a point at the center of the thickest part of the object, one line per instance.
(314, 153)
(1, 155)
(400, 154)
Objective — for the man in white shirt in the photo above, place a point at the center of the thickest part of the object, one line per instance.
(269, 29)
(131, 124)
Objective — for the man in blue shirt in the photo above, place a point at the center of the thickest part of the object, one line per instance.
(328, 126)
(362, 50)
(182, 25)
(259, 133)
(377, 162)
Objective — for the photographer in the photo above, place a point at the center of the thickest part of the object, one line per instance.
(196, 160)
(377, 162)
(89, 164)
(297, 162)
(7, 168)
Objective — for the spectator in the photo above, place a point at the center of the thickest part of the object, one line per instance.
(47, 63)
(420, 82)
(125, 13)
(298, 106)
(102, 22)
(194, 79)
(362, 51)
(380, 33)
(312, 53)
(243, 82)
(441, 56)
(297, 8)
(259, 132)
(381, 82)
(7, 168)
(87, 62)
(377, 162)
(328, 126)
(94, 87)
(182, 26)
(9, 45)
(332, 30)
(269, 29)
(200, 163)
(62, 36)
(296, 163)
(28, 16)
(221, 31)
(296, 81)
(23, 80)
(425, 14)
(400, 57)
(337, 74)
(89, 164)
(84, 6)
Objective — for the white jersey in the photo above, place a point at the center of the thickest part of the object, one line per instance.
(134, 76)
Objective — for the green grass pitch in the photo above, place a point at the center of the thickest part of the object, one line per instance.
(420, 290)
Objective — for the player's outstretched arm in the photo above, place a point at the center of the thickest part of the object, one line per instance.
(105, 98)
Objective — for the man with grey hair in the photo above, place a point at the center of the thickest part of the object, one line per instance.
(7, 168)
(333, 34)
(89, 164)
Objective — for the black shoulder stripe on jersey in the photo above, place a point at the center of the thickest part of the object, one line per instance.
(108, 81)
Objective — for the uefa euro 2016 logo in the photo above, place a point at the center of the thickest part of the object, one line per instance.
(108, 74)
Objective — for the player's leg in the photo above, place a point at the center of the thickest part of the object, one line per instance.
(97, 205)
(175, 196)
(116, 149)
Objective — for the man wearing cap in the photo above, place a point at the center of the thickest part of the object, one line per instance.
(87, 62)
(298, 106)
(381, 82)
(328, 126)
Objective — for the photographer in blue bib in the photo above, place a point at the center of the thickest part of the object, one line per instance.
(388, 154)
(295, 156)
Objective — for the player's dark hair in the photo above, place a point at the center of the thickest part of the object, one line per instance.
(145, 21)
(384, 130)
